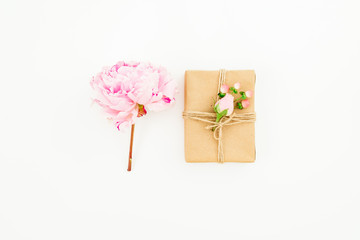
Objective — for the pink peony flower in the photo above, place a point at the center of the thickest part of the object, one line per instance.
(128, 89)
(224, 103)
(237, 86)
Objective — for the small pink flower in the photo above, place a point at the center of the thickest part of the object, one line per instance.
(224, 103)
(249, 94)
(245, 103)
(237, 86)
(224, 88)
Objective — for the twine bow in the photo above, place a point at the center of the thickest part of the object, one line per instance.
(217, 127)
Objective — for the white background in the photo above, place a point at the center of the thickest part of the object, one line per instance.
(63, 165)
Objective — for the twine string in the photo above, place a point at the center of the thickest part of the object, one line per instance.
(210, 118)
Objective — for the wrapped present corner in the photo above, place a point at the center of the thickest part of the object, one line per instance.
(234, 139)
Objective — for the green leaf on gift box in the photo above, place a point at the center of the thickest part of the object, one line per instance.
(243, 95)
(220, 115)
(223, 113)
(233, 90)
(221, 95)
(239, 105)
(216, 108)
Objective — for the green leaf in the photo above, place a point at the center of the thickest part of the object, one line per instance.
(223, 113)
(243, 95)
(239, 105)
(221, 95)
(220, 115)
(216, 108)
(233, 90)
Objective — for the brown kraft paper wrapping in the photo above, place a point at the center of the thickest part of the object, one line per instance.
(201, 89)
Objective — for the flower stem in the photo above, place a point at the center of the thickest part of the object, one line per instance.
(131, 145)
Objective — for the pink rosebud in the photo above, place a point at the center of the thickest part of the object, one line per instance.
(225, 103)
(224, 88)
(237, 86)
(249, 94)
(245, 103)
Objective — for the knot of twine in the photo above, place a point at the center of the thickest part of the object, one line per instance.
(217, 127)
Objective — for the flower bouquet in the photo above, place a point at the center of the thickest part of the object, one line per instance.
(227, 102)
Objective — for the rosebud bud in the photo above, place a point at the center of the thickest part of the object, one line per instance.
(245, 103)
(249, 93)
(224, 88)
(226, 103)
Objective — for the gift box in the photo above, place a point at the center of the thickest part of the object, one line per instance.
(237, 140)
